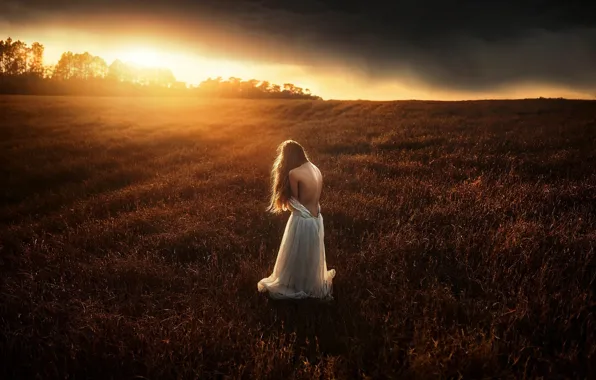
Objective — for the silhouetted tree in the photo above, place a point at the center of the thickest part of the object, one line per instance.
(64, 69)
(48, 71)
(253, 88)
(99, 67)
(119, 72)
(80, 66)
(22, 71)
(264, 87)
(289, 87)
(13, 57)
(36, 60)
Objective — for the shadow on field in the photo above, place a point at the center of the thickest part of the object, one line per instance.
(315, 327)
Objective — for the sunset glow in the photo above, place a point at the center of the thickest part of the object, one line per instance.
(144, 57)
(331, 81)
(152, 151)
(188, 65)
(197, 46)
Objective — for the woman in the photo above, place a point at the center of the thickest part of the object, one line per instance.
(300, 269)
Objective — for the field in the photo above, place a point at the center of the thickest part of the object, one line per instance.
(133, 233)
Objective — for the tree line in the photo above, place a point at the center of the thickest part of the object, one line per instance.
(22, 71)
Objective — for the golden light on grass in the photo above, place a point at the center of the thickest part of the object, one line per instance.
(130, 226)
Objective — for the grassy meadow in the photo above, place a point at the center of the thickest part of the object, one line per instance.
(133, 233)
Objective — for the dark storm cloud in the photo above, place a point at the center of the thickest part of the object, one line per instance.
(464, 45)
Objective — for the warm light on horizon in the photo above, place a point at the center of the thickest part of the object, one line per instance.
(189, 67)
(145, 57)
(338, 83)
(193, 65)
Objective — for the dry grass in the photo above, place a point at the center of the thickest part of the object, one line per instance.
(133, 234)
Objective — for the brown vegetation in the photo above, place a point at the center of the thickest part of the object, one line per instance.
(133, 234)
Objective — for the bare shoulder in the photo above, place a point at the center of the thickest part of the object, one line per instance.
(294, 173)
(317, 169)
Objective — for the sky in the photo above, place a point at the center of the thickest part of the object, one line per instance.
(377, 50)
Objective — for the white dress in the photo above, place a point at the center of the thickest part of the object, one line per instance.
(301, 268)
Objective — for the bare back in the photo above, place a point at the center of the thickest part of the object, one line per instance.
(306, 182)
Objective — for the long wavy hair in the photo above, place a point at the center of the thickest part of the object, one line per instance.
(290, 155)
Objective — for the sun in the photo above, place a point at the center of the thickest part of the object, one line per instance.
(143, 57)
